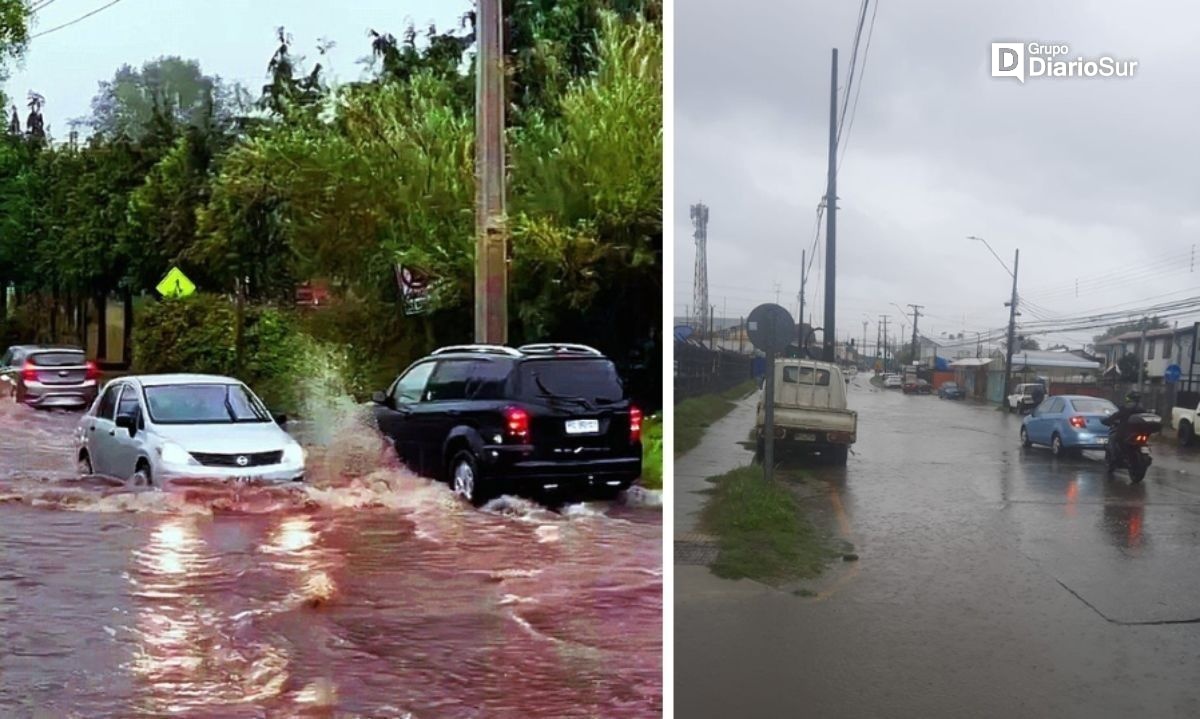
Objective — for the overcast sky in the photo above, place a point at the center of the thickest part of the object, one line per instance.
(231, 38)
(1095, 179)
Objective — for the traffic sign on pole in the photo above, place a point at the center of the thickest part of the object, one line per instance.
(771, 330)
(175, 284)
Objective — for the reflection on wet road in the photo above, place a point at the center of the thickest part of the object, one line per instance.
(376, 594)
(993, 581)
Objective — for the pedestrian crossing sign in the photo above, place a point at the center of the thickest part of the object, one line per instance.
(175, 284)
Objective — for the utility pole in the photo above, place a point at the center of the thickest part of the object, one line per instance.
(863, 352)
(800, 324)
(885, 319)
(491, 237)
(978, 345)
(879, 341)
(831, 218)
(1012, 325)
(1142, 357)
(916, 313)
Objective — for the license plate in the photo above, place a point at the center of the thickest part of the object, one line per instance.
(583, 426)
(1104, 440)
(242, 480)
(1145, 450)
(806, 437)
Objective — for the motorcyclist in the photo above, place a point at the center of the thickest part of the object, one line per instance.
(1116, 420)
(1039, 394)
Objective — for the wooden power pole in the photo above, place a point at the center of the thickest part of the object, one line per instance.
(491, 248)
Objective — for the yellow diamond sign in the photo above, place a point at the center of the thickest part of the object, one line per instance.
(175, 284)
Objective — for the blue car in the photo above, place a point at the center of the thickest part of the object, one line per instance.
(1068, 424)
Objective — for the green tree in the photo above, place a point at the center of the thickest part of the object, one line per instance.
(170, 87)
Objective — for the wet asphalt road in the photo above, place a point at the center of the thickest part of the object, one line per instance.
(369, 593)
(993, 582)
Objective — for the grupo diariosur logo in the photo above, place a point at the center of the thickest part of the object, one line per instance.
(1028, 60)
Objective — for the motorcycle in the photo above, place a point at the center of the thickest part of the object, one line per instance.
(1131, 450)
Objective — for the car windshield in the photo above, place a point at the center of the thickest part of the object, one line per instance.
(1094, 406)
(950, 385)
(57, 359)
(204, 404)
(584, 380)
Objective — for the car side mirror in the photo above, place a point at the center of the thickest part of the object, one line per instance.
(128, 422)
(379, 398)
(280, 419)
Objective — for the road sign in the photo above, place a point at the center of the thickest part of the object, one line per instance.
(771, 328)
(1172, 374)
(175, 284)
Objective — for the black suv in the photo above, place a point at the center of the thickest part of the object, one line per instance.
(492, 419)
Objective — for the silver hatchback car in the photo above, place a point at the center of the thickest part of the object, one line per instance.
(43, 376)
(153, 429)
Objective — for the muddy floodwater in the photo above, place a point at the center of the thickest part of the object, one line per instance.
(368, 593)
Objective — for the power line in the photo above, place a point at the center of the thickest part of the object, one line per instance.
(41, 6)
(862, 18)
(858, 90)
(81, 18)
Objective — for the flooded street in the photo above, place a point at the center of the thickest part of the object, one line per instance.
(370, 593)
(993, 581)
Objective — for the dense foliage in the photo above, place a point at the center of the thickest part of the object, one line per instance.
(340, 183)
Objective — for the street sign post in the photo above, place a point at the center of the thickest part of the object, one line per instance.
(175, 284)
(1172, 374)
(771, 329)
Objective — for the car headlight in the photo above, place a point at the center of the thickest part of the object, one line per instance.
(293, 454)
(172, 453)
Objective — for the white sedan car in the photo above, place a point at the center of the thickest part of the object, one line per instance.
(153, 429)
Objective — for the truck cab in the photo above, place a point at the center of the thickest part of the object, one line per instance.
(811, 414)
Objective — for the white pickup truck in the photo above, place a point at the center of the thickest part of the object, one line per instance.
(810, 411)
(1184, 421)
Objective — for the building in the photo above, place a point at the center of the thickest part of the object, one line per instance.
(1164, 347)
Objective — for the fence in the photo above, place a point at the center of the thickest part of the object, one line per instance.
(699, 370)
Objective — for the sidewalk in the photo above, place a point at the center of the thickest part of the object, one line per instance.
(718, 453)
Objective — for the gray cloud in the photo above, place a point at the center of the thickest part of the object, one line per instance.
(1085, 176)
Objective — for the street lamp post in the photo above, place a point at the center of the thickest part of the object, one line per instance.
(1012, 308)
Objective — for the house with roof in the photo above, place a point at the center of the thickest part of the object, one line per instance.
(1164, 347)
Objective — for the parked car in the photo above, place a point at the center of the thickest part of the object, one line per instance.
(1023, 399)
(951, 390)
(152, 429)
(1184, 419)
(44, 376)
(492, 420)
(811, 415)
(893, 381)
(1068, 424)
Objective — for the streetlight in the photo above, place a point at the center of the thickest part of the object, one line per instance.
(1011, 304)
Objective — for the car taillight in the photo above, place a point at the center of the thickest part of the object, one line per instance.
(516, 424)
(1078, 422)
(93, 372)
(29, 372)
(635, 424)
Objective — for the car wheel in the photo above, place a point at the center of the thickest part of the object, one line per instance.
(84, 465)
(1187, 434)
(465, 479)
(1056, 446)
(142, 477)
(1025, 438)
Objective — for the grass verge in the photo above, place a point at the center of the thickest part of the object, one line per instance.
(652, 453)
(695, 414)
(762, 531)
